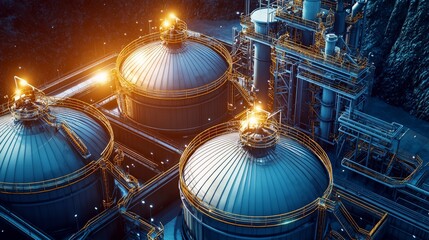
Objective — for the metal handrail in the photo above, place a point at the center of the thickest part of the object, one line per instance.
(175, 34)
(377, 175)
(296, 19)
(245, 220)
(76, 176)
(378, 212)
(350, 88)
(309, 52)
(174, 94)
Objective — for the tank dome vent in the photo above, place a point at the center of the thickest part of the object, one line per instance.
(173, 32)
(259, 130)
(27, 104)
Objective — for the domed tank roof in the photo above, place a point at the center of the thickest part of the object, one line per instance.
(34, 151)
(226, 176)
(156, 66)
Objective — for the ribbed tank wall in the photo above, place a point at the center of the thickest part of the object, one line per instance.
(54, 211)
(197, 226)
(179, 115)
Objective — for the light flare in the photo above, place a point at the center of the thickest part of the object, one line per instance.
(101, 77)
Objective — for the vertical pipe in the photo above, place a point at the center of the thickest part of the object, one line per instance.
(357, 7)
(262, 61)
(328, 96)
(309, 12)
(292, 80)
(310, 9)
(355, 29)
(263, 20)
(340, 19)
(327, 105)
(337, 113)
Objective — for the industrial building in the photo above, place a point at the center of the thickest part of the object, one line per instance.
(182, 136)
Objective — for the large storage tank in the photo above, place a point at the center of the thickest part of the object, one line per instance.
(253, 180)
(174, 81)
(50, 153)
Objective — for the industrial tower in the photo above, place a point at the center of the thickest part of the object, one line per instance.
(304, 58)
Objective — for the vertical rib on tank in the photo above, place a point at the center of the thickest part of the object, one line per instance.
(174, 81)
(252, 180)
(50, 151)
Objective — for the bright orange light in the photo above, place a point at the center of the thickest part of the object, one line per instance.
(23, 82)
(101, 77)
(258, 108)
(17, 94)
(172, 16)
(166, 24)
(251, 122)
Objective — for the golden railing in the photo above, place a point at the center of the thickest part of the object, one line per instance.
(261, 37)
(350, 88)
(153, 233)
(353, 20)
(310, 53)
(281, 13)
(382, 177)
(249, 136)
(325, 3)
(244, 220)
(242, 90)
(28, 114)
(177, 33)
(379, 213)
(174, 94)
(336, 235)
(76, 176)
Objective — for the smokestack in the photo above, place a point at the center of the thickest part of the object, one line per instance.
(264, 21)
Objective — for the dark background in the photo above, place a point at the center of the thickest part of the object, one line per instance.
(41, 40)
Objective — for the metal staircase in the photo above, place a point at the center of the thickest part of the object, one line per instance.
(74, 139)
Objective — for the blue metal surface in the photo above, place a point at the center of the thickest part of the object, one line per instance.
(35, 151)
(263, 20)
(310, 9)
(229, 178)
(155, 66)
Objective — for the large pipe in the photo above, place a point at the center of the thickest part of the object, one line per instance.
(328, 96)
(310, 9)
(357, 7)
(330, 42)
(263, 20)
(309, 12)
(327, 104)
(261, 68)
(355, 29)
(340, 19)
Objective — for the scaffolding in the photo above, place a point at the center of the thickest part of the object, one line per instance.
(371, 147)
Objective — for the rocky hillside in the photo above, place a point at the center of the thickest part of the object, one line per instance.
(398, 36)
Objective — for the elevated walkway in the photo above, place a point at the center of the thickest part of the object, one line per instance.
(24, 226)
(393, 208)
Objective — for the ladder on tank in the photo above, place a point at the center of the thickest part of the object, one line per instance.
(74, 139)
